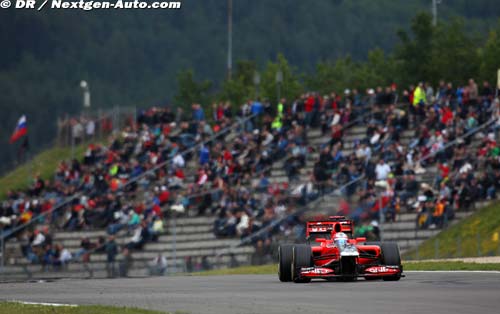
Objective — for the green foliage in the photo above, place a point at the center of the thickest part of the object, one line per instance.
(290, 88)
(450, 265)
(489, 56)
(272, 269)
(454, 53)
(462, 239)
(414, 52)
(430, 53)
(20, 308)
(132, 58)
(189, 91)
(44, 164)
(347, 73)
(241, 86)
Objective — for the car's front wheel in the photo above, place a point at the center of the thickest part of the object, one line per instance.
(302, 257)
(285, 252)
(391, 257)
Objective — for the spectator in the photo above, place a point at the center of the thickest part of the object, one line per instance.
(158, 266)
(382, 170)
(111, 249)
(125, 262)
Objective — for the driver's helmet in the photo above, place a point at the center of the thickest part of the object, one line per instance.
(340, 239)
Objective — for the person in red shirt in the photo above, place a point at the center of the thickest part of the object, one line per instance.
(445, 170)
(180, 174)
(227, 155)
(164, 195)
(308, 108)
(447, 115)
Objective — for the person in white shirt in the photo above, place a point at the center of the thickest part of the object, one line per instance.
(39, 238)
(268, 138)
(65, 255)
(202, 177)
(244, 222)
(179, 161)
(90, 128)
(382, 170)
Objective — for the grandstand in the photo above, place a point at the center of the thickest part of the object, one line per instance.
(206, 196)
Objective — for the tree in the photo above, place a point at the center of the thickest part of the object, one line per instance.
(346, 73)
(290, 88)
(454, 55)
(240, 88)
(413, 54)
(490, 56)
(190, 91)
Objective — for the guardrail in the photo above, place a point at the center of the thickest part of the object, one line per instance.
(68, 200)
(277, 222)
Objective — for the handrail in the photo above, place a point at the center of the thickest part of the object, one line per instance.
(343, 127)
(280, 220)
(14, 230)
(304, 207)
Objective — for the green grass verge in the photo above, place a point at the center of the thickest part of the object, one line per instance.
(45, 163)
(477, 235)
(448, 265)
(20, 308)
(273, 268)
(244, 270)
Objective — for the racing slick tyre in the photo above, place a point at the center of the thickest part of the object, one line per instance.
(301, 257)
(285, 252)
(391, 257)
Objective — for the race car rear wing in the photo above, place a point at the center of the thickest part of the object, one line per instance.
(334, 224)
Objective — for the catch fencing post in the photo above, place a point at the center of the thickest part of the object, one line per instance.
(99, 123)
(174, 239)
(135, 119)
(2, 246)
(72, 144)
(459, 246)
(381, 217)
(436, 248)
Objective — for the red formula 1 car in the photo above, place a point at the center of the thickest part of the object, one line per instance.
(331, 253)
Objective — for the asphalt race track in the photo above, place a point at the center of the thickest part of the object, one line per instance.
(419, 292)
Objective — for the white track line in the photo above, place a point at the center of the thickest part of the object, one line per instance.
(45, 304)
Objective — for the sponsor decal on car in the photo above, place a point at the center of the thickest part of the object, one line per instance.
(315, 271)
(382, 269)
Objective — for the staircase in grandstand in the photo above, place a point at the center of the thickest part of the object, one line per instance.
(193, 238)
(185, 237)
(404, 230)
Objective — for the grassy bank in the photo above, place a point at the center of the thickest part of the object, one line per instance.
(273, 268)
(244, 270)
(20, 308)
(45, 163)
(477, 235)
(450, 266)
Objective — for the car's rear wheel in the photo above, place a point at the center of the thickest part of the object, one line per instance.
(302, 257)
(391, 257)
(285, 253)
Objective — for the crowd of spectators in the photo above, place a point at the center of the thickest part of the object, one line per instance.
(447, 125)
(227, 174)
(453, 133)
(110, 187)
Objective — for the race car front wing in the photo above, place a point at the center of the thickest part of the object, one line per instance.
(369, 271)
